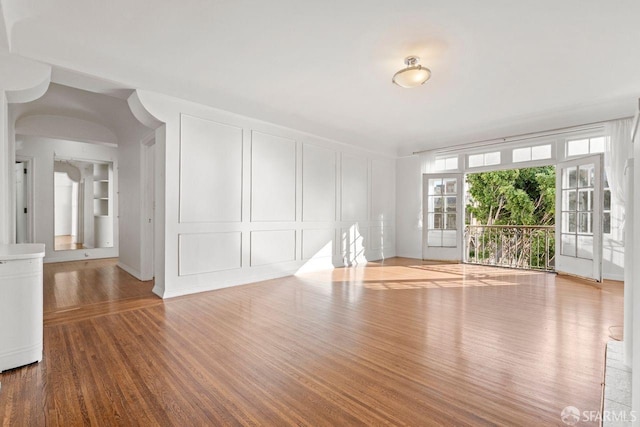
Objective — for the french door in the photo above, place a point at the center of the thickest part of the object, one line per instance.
(579, 205)
(442, 223)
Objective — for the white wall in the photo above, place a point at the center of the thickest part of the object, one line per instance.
(635, 287)
(613, 245)
(129, 207)
(42, 151)
(409, 208)
(21, 80)
(247, 200)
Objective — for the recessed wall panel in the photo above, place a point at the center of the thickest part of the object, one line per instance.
(273, 178)
(210, 171)
(270, 247)
(318, 243)
(383, 185)
(354, 188)
(209, 252)
(318, 184)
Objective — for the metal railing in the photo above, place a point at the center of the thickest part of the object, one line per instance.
(515, 246)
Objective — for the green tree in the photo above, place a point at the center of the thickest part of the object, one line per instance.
(513, 197)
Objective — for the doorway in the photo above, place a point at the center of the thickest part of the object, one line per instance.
(148, 172)
(510, 218)
(23, 172)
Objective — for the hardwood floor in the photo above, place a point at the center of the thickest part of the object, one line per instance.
(399, 342)
(66, 242)
(84, 289)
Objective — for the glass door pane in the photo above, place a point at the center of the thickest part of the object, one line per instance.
(442, 208)
(579, 217)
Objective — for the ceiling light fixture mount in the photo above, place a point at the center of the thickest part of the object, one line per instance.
(413, 75)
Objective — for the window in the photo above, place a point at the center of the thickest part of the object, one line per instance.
(476, 160)
(579, 147)
(446, 163)
(526, 154)
(577, 211)
(606, 212)
(484, 159)
(441, 212)
(596, 145)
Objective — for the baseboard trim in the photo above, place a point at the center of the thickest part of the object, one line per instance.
(132, 271)
(616, 277)
(16, 358)
(263, 273)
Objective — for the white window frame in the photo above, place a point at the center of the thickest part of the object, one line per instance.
(445, 157)
(558, 151)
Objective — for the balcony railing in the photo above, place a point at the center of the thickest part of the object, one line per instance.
(514, 246)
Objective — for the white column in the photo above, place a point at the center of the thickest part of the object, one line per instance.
(635, 364)
(5, 178)
(628, 265)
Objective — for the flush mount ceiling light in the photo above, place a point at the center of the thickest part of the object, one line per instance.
(413, 75)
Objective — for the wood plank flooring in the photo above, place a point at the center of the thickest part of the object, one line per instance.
(397, 343)
(66, 242)
(84, 289)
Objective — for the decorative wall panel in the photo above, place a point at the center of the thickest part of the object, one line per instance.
(270, 247)
(318, 184)
(210, 171)
(273, 178)
(209, 252)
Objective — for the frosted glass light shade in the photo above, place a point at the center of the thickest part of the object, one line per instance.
(413, 75)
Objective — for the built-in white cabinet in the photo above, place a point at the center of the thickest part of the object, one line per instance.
(103, 228)
(102, 205)
(20, 305)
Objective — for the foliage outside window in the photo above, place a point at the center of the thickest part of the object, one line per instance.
(513, 197)
(517, 197)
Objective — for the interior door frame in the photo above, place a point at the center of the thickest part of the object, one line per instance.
(447, 254)
(148, 170)
(29, 164)
(575, 266)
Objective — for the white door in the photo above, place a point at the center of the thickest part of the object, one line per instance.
(579, 206)
(442, 222)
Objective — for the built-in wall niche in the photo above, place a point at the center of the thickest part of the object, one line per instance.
(83, 204)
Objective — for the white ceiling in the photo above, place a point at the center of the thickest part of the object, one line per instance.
(499, 67)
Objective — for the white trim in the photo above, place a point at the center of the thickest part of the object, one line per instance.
(450, 253)
(617, 277)
(132, 271)
(586, 127)
(147, 237)
(16, 358)
(31, 191)
(505, 147)
(558, 142)
(573, 264)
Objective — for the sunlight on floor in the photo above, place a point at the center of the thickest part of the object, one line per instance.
(425, 276)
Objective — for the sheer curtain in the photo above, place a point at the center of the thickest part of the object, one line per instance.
(618, 150)
(427, 161)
